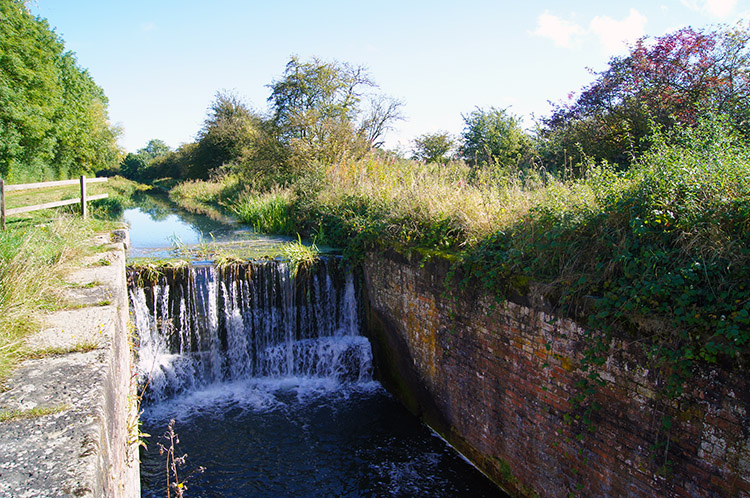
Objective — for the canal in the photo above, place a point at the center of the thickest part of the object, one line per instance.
(268, 379)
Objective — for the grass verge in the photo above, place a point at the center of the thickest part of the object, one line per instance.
(34, 256)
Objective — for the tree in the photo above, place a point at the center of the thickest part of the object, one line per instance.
(433, 147)
(53, 117)
(673, 79)
(318, 111)
(383, 112)
(173, 164)
(136, 166)
(227, 134)
(155, 148)
(133, 166)
(493, 136)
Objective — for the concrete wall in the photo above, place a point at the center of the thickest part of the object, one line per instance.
(86, 445)
(497, 381)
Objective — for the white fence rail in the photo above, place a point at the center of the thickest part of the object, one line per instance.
(29, 186)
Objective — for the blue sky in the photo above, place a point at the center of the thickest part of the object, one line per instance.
(161, 62)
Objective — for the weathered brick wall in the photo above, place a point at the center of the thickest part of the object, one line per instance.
(498, 383)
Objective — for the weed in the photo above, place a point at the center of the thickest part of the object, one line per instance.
(81, 347)
(40, 411)
(299, 256)
(88, 285)
(174, 462)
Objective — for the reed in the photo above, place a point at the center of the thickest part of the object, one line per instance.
(269, 212)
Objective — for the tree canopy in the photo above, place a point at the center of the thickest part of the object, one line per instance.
(672, 79)
(53, 117)
(327, 110)
(227, 135)
(433, 147)
(493, 136)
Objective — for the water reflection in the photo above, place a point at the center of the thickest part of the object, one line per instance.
(160, 229)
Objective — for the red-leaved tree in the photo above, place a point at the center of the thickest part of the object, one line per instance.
(672, 79)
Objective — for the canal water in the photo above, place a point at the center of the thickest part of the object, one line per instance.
(160, 229)
(270, 385)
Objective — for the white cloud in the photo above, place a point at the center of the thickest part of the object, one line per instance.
(563, 33)
(614, 35)
(716, 8)
(148, 26)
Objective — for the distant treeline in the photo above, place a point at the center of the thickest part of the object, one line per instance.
(53, 117)
(320, 113)
(328, 112)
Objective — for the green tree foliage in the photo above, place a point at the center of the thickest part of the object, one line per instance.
(319, 111)
(433, 147)
(227, 136)
(229, 139)
(53, 117)
(175, 164)
(494, 136)
(673, 79)
(155, 148)
(133, 166)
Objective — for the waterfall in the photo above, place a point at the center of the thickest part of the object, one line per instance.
(198, 326)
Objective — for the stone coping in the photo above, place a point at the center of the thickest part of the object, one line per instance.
(86, 443)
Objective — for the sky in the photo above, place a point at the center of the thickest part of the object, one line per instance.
(161, 62)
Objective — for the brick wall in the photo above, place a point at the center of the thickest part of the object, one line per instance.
(497, 381)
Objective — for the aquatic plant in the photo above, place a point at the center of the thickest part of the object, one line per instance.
(299, 256)
(269, 212)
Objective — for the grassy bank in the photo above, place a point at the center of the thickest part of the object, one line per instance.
(37, 250)
(33, 262)
(660, 252)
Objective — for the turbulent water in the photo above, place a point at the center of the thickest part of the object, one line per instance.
(271, 387)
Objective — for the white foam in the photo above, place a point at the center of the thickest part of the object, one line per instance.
(273, 337)
(258, 395)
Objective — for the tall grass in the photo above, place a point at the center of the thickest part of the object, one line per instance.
(381, 201)
(299, 256)
(269, 212)
(33, 259)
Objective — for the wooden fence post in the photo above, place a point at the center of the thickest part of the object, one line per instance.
(83, 197)
(2, 204)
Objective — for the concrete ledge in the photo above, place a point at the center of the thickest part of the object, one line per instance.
(85, 446)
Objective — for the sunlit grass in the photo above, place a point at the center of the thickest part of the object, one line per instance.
(33, 260)
(268, 212)
(13, 415)
(20, 198)
(205, 193)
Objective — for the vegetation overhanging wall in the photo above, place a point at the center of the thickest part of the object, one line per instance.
(501, 382)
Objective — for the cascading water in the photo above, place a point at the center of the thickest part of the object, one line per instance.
(271, 385)
(206, 325)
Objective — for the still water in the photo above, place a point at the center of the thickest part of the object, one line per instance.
(160, 229)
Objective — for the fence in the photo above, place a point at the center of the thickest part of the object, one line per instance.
(29, 186)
